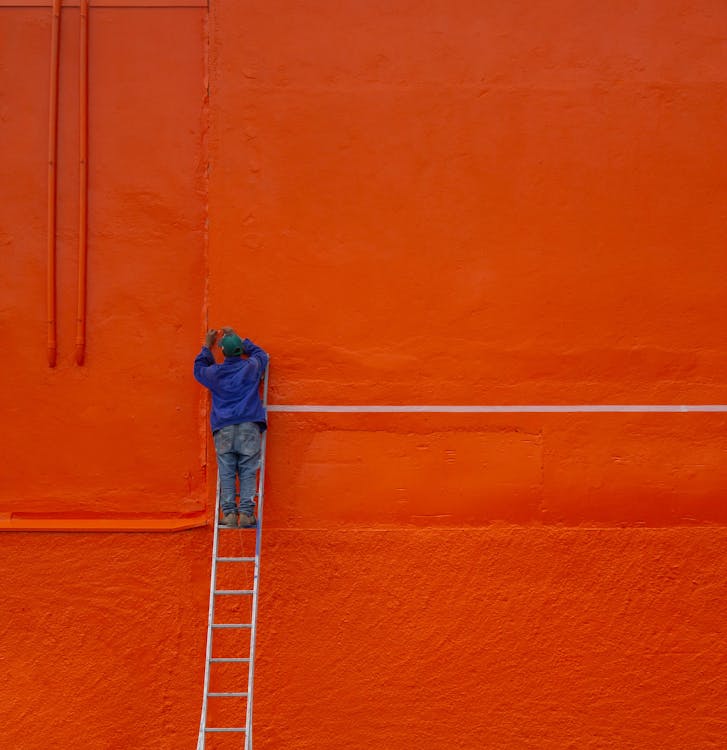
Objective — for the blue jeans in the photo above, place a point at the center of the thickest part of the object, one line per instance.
(238, 454)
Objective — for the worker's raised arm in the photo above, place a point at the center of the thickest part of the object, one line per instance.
(204, 360)
(256, 354)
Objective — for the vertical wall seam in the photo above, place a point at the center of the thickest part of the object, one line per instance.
(206, 123)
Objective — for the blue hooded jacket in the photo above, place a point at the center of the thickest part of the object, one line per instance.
(235, 386)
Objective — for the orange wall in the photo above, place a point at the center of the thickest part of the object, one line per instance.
(498, 637)
(122, 433)
(521, 203)
(433, 203)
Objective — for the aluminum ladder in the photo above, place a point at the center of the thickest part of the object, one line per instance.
(212, 626)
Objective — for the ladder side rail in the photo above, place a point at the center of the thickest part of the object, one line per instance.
(210, 621)
(256, 572)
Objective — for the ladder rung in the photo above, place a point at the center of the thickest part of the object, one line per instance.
(232, 625)
(235, 559)
(238, 528)
(228, 659)
(225, 729)
(227, 695)
(236, 592)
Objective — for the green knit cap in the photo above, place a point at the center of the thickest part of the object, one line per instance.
(231, 345)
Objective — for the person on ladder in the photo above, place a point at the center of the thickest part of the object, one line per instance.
(237, 419)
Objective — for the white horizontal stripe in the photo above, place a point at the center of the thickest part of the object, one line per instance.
(477, 409)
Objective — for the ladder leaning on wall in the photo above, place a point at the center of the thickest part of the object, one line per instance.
(250, 626)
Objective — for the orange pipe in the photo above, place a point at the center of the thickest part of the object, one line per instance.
(137, 523)
(52, 154)
(83, 197)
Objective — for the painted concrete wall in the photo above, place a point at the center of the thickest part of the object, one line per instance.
(522, 203)
(493, 637)
(120, 435)
(518, 204)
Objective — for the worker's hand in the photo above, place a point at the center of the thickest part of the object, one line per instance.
(226, 331)
(210, 338)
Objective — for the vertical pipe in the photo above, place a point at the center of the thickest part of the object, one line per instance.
(52, 155)
(83, 188)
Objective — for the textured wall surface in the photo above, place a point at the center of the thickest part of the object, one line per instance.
(454, 469)
(87, 439)
(426, 203)
(521, 203)
(499, 637)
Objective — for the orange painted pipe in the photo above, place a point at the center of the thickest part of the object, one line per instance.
(138, 523)
(52, 154)
(83, 188)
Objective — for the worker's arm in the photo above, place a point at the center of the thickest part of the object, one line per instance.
(257, 355)
(205, 360)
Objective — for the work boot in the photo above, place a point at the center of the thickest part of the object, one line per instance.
(247, 521)
(229, 520)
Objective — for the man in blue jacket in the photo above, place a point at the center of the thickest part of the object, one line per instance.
(237, 419)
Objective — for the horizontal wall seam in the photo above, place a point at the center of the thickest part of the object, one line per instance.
(496, 409)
